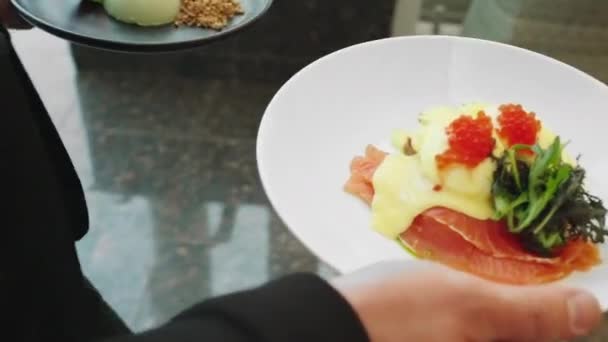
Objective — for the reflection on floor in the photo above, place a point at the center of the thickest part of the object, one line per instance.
(168, 164)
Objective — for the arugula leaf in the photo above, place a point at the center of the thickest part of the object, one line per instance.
(543, 199)
(544, 178)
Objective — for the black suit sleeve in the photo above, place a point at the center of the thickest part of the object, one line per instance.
(18, 97)
(43, 292)
(40, 276)
(298, 308)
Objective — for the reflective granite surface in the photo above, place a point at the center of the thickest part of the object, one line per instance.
(168, 164)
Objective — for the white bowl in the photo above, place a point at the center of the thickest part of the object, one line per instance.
(329, 112)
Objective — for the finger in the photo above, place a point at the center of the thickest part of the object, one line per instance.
(542, 313)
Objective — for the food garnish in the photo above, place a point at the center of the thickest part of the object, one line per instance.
(544, 201)
(213, 14)
(518, 126)
(470, 141)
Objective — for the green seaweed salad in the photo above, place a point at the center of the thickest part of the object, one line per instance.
(544, 201)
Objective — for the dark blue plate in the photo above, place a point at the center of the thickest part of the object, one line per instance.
(84, 22)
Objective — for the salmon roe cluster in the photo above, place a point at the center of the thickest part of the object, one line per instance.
(517, 126)
(470, 141)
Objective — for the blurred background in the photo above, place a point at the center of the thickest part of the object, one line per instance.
(165, 144)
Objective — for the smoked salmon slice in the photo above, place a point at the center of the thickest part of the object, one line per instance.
(431, 240)
(484, 248)
(491, 237)
(362, 171)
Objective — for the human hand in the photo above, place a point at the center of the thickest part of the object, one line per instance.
(9, 17)
(433, 303)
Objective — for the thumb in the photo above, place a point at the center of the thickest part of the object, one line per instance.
(543, 313)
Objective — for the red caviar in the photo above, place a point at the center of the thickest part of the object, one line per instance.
(470, 141)
(518, 126)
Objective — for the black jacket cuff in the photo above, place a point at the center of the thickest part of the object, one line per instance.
(301, 307)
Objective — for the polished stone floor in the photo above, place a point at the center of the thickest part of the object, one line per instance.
(168, 165)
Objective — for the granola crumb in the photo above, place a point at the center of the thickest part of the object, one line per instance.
(213, 14)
